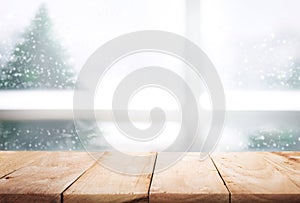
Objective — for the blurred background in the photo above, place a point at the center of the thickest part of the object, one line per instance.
(254, 45)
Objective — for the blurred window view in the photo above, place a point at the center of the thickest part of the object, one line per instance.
(254, 45)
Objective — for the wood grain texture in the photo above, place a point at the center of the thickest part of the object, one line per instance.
(100, 184)
(189, 180)
(250, 177)
(44, 179)
(13, 160)
(287, 163)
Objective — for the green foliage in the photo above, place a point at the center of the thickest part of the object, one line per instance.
(294, 78)
(38, 135)
(38, 60)
(275, 140)
(291, 81)
(47, 135)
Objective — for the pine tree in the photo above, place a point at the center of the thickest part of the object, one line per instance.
(38, 61)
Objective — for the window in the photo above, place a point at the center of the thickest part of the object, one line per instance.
(254, 46)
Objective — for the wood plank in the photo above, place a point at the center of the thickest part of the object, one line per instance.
(288, 163)
(100, 184)
(13, 160)
(44, 179)
(189, 180)
(250, 177)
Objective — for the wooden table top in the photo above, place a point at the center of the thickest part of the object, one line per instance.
(77, 177)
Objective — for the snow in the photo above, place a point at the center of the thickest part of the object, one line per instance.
(263, 100)
(235, 100)
(36, 99)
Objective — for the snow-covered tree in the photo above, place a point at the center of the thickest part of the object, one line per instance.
(38, 61)
(294, 76)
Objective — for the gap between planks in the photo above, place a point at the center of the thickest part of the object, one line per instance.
(11, 161)
(45, 178)
(256, 177)
(189, 180)
(243, 176)
(229, 198)
(99, 184)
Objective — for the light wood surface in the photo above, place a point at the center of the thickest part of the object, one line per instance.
(13, 160)
(45, 178)
(250, 177)
(100, 184)
(189, 180)
(288, 163)
(77, 177)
